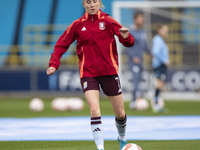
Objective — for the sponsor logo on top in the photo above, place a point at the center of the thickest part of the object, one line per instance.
(83, 29)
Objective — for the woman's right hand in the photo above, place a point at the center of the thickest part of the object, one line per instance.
(51, 70)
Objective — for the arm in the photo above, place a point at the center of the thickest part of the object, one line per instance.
(131, 50)
(63, 43)
(123, 33)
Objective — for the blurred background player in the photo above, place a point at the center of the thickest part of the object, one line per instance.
(160, 63)
(98, 59)
(135, 54)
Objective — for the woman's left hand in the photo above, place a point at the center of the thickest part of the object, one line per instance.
(124, 32)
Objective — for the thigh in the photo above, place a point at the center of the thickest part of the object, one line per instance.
(137, 73)
(110, 85)
(92, 98)
(136, 77)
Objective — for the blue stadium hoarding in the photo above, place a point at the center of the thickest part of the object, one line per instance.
(69, 81)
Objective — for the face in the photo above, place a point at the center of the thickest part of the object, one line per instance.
(164, 31)
(91, 6)
(139, 21)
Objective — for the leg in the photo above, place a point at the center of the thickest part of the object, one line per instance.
(92, 97)
(159, 87)
(136, 81)
(118, 106)
(160, 73)
(120, 120)
(160, 84)
(112, 88)
(158, 105)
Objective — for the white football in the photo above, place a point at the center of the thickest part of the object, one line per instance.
(75, 103)
(131, 146)
(65, 104)
(141, 104)
(36, 104)
(59, 104)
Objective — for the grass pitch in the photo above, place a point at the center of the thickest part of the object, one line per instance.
(14, 107)
(19, 108)
(89, 145)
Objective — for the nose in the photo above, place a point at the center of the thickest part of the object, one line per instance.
(92, 4)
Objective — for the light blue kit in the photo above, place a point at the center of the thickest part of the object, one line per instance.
(159, 51)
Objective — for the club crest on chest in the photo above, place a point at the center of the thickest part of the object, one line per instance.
(102, 25)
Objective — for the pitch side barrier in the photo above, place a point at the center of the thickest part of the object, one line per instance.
(181, 84)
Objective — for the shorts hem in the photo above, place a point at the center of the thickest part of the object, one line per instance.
(113, 94)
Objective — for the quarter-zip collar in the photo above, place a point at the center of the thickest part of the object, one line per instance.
(98, 15)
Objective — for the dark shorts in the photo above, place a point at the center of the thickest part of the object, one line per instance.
(109, 84)
(161, 72)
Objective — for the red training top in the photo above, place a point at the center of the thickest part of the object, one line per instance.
(96, 45)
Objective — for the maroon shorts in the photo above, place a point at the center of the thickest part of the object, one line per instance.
(109, 84)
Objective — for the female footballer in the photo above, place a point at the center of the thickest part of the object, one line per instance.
(98, 63)
(160, 62)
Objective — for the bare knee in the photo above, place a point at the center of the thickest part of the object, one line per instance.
(120, 116)
(160, 84)
(95, 111)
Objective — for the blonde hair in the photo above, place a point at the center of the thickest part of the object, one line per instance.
(100, 4)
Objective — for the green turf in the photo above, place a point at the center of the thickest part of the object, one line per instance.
(15, 107)
(89, 145)
(19, 108)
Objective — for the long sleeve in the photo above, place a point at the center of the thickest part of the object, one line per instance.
(128, 42)
(62, 45)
